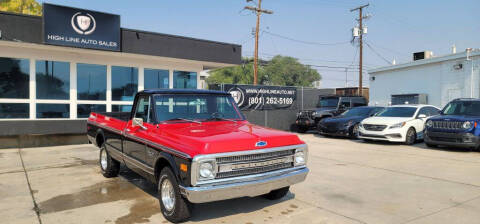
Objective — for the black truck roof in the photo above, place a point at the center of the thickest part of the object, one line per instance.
(183, 91)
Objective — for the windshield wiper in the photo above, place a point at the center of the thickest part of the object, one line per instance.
(183, 119)
(221, 118)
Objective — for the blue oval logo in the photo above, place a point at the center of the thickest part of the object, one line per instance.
(261, 144)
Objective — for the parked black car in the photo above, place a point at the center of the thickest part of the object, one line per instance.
(346, 124)
(327, 106)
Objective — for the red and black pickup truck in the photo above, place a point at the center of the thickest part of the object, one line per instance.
(197, 147)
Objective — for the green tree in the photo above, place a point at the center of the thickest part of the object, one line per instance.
(281, 70)
(30, 7)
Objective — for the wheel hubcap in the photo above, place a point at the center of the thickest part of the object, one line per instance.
(168, 195)
(103, 159)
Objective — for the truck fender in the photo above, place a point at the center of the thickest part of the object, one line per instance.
(164, 159)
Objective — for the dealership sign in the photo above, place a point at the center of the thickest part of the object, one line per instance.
(249, 97)
(80, 28)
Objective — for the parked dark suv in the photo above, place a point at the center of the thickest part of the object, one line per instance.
(456, 126)
(327, 106)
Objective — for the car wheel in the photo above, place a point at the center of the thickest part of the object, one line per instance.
(301, 129)
(109, 166)
(411, 137)
(277, 194)
(354, 132)
(174, 207)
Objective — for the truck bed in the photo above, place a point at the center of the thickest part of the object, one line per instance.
(123, 116)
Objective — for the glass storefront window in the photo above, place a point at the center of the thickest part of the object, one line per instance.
(91, 82)
(121, 108)
(53, 80)
(184, 80)
(53, 110)
(124, 83)
(156, 79)
(14, 78)
(14, 110)
(84, 110)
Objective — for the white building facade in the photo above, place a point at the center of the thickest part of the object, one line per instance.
(436, 80)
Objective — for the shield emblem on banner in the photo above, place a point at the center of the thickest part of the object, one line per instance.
(83, 22)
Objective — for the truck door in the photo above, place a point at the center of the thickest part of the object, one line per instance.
(134, 146)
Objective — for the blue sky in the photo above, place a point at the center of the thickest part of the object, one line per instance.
(395, 28)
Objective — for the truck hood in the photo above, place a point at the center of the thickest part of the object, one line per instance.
(386, 120)
(455, 118)
(222, 136)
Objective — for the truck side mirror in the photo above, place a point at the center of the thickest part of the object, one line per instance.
(138, 122)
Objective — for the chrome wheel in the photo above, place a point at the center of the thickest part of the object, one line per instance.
(103, 159)
(168, 195)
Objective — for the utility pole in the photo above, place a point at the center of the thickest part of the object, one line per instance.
(360, 61)
(258, 10)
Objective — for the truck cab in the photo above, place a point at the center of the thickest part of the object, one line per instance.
(197, 147)
(327, 106)
(457, 125)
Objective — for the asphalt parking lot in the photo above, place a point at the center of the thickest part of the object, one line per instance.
(349, 182)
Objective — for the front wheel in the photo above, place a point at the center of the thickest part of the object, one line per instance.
(277, 194)
(174, 207)
(411, 137)
(109, 166)
(354, 132)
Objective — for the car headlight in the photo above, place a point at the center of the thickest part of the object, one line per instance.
(300, 157)
(467, 125)
(360, 125)
(206, 170)
(398, 125)
(314, 113)
(429, 123)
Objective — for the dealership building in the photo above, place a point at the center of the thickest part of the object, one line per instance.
(56, 69)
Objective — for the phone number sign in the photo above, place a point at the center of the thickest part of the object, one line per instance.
(249, 97)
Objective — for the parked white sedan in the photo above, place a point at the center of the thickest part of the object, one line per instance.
(400, 123)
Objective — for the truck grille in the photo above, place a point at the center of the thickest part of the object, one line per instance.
(242, 165)
(374, 127)
(452, 125)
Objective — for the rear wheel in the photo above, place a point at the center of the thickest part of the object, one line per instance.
(109, 166)
(411, 137)
(174, 207)
(277, 194)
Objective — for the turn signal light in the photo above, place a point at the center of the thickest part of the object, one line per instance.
(475, 124)
(183, 167)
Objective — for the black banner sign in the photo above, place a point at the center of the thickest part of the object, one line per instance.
(80, 28)
(249, 97)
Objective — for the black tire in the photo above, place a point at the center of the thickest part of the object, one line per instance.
(411, 137)
(354, 132)
(112, 167)
(431, 145)
(277, 194)
(181, 210)
(302, 129)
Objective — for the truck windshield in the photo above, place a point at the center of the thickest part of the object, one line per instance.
(357, 111)
(468, 108)
(398, 112)
(327, 102)
(195, 107)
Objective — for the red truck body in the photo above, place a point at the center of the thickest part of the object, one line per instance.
(204, 138)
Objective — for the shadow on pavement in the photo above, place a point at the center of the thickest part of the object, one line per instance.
(211, 210)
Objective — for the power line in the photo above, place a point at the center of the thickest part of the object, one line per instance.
(376, 53)
(304, 42)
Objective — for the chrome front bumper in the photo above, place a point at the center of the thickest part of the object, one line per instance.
(251, 188)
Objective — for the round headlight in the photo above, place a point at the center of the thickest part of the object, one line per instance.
(300, 158)
(206, 170)
(429, 123)
(467, 125)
